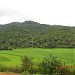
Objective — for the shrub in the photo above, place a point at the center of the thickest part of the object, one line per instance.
(27, 64)
(49, 64)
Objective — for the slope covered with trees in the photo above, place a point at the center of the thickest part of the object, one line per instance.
(34, 34)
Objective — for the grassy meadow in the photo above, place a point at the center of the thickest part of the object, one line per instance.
(13, 57)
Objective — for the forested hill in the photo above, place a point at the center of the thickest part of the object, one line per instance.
(34, 34)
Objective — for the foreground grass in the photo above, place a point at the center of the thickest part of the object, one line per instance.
(13, 57)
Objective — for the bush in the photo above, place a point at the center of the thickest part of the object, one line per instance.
(27, 64)
(49, 64)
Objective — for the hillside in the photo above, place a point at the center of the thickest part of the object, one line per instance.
(34, 34)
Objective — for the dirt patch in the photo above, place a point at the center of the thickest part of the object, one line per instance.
(9, 73)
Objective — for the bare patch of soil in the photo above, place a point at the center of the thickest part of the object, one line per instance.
(3, 73)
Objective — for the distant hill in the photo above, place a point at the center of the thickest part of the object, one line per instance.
(34, 34)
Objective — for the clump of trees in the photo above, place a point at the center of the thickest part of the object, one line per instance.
(47, 66)
(5, 45)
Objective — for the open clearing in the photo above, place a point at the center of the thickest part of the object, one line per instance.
(13, 57)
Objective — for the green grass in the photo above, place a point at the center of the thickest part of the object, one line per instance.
(13, 57)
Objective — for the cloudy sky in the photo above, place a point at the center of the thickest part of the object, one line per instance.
(59, 12)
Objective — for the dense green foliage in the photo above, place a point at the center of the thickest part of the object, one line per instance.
(27, 63)
(33, 34)
(47, 66)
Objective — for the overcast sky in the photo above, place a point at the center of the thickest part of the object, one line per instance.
(59, 12)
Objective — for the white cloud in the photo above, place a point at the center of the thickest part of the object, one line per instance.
(44, 11)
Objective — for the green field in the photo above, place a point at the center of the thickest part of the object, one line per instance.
(13, 57)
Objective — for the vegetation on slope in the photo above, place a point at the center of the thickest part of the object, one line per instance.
(33, 34)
